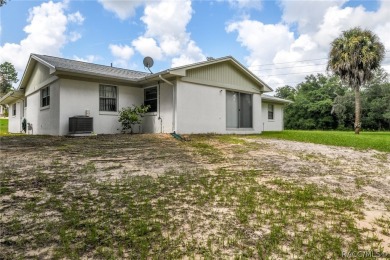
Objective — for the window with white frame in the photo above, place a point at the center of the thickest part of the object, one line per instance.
(45, 97)
(108, 98)
(270, 111)
(14, 109)
(150, 98)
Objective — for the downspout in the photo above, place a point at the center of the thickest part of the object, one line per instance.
(166, 81)
(159, 106)
(173, 100)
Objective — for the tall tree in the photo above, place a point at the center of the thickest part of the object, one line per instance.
(376, 102)
(354, 57)
(343, 108)
(313, 100)
(2, 2)
(8, 75)
(286, 92)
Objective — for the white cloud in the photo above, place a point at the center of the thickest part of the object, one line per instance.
(262, 40)
(338, 19)
(190, 55)
(123, 52)
(246, 4)
(147, 47)
(74, 36)
(46, 34)
(76, 18)
(122, 8)
(166, 35)
(170, 45)
(88, 58)
(167, 18)
(308, 15)
(318, 23)
(383, 31)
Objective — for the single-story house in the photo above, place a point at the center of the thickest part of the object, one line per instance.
(215, 96)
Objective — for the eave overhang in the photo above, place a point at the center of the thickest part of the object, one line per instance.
(11, 97)
(275, 100)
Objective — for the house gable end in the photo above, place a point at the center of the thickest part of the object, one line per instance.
(223, 74)
(39, 77)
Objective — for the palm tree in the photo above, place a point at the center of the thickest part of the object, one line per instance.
(354, 56)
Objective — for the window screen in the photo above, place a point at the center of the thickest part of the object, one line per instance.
(107, 98)
(45, 97)
(150, 98)
(270, 111)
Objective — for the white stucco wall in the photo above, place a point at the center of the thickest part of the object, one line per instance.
(44, 121)
(33, 111)
(275, 124)
(202, 109)
(15, 122)
(78, 96)
(161, 121)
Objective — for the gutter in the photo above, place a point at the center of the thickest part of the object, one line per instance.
(151, 76)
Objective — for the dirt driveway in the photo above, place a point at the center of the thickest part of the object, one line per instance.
(211, 196)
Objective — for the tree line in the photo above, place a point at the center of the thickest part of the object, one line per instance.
(325, 102)
(322, 102)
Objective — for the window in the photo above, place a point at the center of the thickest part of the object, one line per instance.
(270, 111)
(14, 109)
(150, 98)
(238, 110)
(107, 98)
(25, 102)
(45, 97)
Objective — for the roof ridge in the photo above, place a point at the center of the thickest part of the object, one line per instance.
(202, 62)
(91, 63)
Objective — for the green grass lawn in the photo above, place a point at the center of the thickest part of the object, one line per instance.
(3, 126)
(366, 140)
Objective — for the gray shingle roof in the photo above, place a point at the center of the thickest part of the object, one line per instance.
(90, 68)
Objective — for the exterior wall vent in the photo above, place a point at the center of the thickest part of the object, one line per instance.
(80, 125)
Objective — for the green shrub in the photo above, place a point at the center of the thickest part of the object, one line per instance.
(130, 116)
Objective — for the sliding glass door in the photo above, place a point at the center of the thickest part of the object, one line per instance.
(238, 110)
(232, 109)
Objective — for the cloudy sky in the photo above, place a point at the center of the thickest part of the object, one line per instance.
(280, 41)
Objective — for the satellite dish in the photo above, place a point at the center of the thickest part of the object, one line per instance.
(148, 63)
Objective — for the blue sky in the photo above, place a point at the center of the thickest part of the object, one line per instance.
(281, 41)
